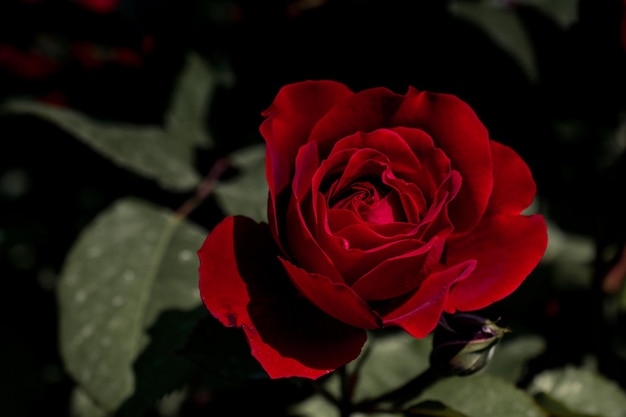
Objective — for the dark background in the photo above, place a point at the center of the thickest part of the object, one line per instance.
(120, 64)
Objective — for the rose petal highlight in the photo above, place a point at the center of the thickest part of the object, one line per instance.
(513, 187)
(506, 248)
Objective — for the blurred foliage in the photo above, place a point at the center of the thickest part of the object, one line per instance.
(114, 110)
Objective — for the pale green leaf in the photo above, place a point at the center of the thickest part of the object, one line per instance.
(146, 150)
(246, 193)
(186, 117)
(82, 405)
(482, 395)
(315, 406)
(512, 355)
(432, 409)
(391, 361)
(582, 390)
(134, 261)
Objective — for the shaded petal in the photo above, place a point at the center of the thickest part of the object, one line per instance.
(397, 153)
(420, 313)
(289, 120)
(301, 245)
(456, 129)
(336, 299)
(242, 284)
(513, 188)
(364, 111)
(506, 248)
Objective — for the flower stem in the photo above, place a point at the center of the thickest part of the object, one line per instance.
(345, 401)
(205, 188)
(402, 394)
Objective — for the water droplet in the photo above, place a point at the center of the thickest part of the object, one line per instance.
(128, 275)
(80, 296)
(185, 255)
(94, 251)
(86, 331)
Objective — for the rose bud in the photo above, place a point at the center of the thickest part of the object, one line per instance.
(384, 210)
(464, 343)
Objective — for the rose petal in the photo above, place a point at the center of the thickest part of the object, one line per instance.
(364, 111)
(289, 120)
(397, 275)
(302, 246)
(456, 129)
(513, 188)
(437, 218)
(420, 313)
(243, 285)
(405, 164)
(336, 299)
(347, 225)
(507, 249)
(352, 262)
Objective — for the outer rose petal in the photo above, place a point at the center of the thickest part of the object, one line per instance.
(420, 313)
(336, 299)
(513, 185)
(507, 249)
(289, 120)
(242, 284)
(364, 111)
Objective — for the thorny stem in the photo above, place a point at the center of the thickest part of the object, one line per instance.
(204, 189)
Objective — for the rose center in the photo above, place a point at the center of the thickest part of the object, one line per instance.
(374, 203)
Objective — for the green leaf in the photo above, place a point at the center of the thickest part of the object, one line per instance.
(391, 360)
(145, 150)
(223, 353)
(83, 406)
(134, 261)
(503, 26)
(512, 354)
(581, 390)
(162, 368)
(555, 408)
(570, 256)
(186, 117)
(247, 193)
(482, 395)
(432, 409)
(318, 406)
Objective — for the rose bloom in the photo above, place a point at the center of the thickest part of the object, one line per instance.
(384, 210)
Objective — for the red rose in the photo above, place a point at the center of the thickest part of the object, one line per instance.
(384, 210)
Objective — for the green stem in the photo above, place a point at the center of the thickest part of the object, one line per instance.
(345, 401)
(402, 394)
